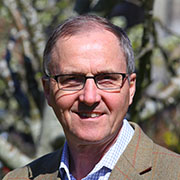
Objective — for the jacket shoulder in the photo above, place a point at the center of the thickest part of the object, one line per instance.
(161, 162)
(46, 164)
(19, 173)
(165, 155)
(166, 164)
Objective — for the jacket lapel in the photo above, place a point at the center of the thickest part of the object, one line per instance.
(49, 167)
(135, 162)
(51, 176)
(125, 171)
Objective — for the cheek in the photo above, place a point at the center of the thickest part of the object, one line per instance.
(63, 103)
(66, 100)
(61, 99)
(62, 106)
(117, 101)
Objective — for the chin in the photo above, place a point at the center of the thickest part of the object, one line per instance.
(92, 138)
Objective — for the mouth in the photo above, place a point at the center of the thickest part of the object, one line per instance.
(88, 114)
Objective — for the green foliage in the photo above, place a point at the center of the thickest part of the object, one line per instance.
(171, 138)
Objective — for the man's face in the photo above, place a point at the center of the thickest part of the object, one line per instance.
(90, 115)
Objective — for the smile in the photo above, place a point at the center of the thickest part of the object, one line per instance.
(89, 115)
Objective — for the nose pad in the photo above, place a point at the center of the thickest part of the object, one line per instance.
(90, 94)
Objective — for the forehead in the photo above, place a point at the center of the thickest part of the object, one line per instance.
(95, 48)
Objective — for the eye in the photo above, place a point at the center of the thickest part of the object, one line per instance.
(70, 80)
(107, 78)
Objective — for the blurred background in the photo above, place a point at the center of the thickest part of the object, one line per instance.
(28, 127)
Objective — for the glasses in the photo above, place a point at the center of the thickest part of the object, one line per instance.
(103, 81)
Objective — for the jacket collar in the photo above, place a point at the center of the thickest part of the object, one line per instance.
(135, 163)
(49, 168)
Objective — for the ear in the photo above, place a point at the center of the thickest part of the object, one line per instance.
(46, 87)
(132, 88)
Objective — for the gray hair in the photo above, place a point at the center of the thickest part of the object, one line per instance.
(84, 23)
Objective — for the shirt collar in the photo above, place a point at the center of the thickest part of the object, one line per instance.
(64, 164)
(109, 159)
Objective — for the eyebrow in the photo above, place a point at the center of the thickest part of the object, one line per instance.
(81, 73)
(106, 71)
(71, 73)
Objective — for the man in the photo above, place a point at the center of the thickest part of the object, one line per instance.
(90, 83)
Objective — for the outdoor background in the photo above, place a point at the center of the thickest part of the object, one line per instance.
(28, 127)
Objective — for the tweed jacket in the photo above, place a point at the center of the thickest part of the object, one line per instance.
(141, 160)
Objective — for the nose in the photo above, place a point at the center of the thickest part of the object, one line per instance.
(90, 94)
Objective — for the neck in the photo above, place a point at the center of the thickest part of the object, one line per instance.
(83, 161)
(83, 158)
